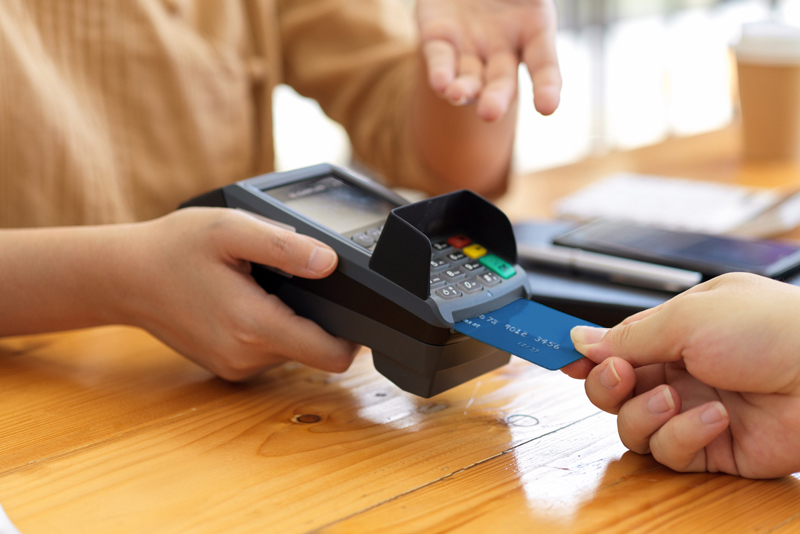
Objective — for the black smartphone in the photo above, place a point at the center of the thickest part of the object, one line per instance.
(710, 255)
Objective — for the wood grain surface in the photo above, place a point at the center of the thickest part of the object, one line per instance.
(108, 431)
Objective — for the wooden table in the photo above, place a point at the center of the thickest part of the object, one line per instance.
(106, 430)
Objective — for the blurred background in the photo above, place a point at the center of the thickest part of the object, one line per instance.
(635, 73)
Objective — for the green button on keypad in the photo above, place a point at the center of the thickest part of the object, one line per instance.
(497, 265)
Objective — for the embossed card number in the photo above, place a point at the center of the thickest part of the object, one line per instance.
(529, 330)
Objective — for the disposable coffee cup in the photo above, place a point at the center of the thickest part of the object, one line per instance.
(768, 61)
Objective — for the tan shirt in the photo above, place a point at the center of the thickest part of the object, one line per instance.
(118, 110)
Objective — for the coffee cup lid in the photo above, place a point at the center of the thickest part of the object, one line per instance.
(770, 43)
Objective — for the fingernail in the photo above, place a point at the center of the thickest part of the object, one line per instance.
(661, 402)
(609, 377)
(586, 335)
(714, 414)
(321, 260)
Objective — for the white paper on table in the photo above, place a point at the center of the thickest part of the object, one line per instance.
(678, 204)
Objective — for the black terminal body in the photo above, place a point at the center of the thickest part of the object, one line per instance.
(399, 286)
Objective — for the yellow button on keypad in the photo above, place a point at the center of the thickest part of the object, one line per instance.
(474, 251)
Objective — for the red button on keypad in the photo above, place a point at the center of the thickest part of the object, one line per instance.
(459, 241)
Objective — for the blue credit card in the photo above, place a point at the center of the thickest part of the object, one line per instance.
(529, 330)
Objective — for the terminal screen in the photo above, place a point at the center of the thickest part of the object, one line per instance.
(334, 203)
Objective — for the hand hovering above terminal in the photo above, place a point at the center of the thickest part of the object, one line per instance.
(708, 381)
(473, 49)
(193, 290)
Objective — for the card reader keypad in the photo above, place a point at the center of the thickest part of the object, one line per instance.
(449, 292)
(470, 286)
(438, 264)
(368, 238)
(437, 281)
(473, 267)
(454, 275)
(461, 268)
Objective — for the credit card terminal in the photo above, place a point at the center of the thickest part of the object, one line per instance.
(407, 272)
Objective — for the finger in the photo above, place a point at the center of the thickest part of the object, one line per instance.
(501, 86)
(641, 315)
(648, 377)
(277, 334)
(251, 239)
(680, 443)
(611, 384)
(468, 84)
(579, 369)
(584, 336)
(540, 57)
(643, 415)
(606, 395)
(651, 336)
(303, 340)
(440, 58)
(658, 338)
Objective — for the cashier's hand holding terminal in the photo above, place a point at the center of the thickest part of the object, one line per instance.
(239, 329)
(708, 381)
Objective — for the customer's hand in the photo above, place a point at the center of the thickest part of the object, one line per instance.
(708, 381)
(190, 286)
(473, 49)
